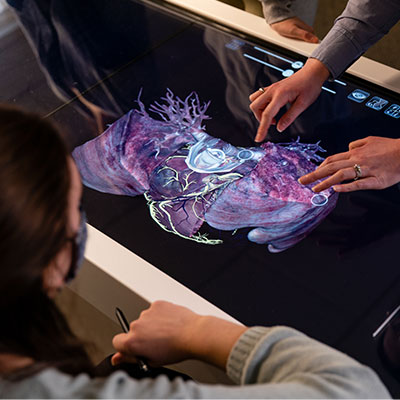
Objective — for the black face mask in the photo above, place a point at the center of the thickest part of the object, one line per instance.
(78, 248)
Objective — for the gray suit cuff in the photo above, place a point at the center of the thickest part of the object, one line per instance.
(337, 51)
(276, 10)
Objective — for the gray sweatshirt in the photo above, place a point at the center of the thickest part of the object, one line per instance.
(276, 362)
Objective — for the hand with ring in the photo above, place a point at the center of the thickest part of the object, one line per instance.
(370, 163)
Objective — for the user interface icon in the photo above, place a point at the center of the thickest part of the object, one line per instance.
(358, 95)
(287, 72)
(297, 65)
(234, 44)
(393, 111)
(376, 103)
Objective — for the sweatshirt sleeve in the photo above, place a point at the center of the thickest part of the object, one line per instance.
(287, 363)
(276, 362)
(361, 24)
(277, 10)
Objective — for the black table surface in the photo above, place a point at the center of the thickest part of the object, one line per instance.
(82, 65)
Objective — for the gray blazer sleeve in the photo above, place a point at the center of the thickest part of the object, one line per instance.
(362, 23)
(277, 10)
(276, 362)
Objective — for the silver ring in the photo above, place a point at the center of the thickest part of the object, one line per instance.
(319, 199)
(357, 170)
(261, 89)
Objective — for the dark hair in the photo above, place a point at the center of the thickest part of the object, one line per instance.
(35, 184)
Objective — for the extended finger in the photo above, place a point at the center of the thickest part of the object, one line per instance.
(335, 158)
(267, 118)
(345, 174)
(361, 184)
(324, 171)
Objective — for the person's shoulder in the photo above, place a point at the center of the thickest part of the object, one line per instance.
(51, 383)
(47, 383)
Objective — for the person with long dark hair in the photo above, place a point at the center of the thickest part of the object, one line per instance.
(42, 237)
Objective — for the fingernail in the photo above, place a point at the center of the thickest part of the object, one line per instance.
(281, 128)
(312, 38)
(314, 189)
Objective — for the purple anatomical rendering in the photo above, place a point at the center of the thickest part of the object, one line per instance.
(189, 177)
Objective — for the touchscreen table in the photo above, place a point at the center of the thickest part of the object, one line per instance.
(339, 280)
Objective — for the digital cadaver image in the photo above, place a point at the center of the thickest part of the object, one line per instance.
(190, 178)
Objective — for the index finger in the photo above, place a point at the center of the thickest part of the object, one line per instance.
(336, 157)
(323, 172)
(309, 178)
(119, 341)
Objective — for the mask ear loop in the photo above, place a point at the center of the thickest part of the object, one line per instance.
(74, 258)
(75, 250)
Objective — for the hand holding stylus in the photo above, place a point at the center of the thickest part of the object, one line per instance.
(125, 327)
(167, 333)
(299, 90)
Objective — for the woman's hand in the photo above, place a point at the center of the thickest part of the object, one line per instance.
(167, 333)
(378, 158)
(300, 90)
(161, 335)
(295, 28)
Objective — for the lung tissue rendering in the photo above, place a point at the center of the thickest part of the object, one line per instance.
(189, 177)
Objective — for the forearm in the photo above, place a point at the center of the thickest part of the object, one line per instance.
(167, 333)
(211, 340)
(361, 24)
(276, 362)
(294, 365)
(271, 362)
(315, 71)
(280, 361)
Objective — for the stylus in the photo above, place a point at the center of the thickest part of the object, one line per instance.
(385, 323)
(125, 327)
